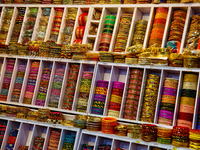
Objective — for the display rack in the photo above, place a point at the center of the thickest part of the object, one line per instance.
(28, 130)
(101, 71)
(139, 11)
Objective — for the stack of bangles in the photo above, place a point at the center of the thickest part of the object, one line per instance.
(166, 113)
(69, 142)
(82, 19)
(3, 124)
(120, 130)
(71, 86)
(123, 33)
(150, 98)
(180, 136)
(7, 79)
(18, 83)
(100, 97)
(56, 24)
(194, 139)
(55, 118)
(107, 33)
(56, 88)
(80, 121)
(43, 114)
(11, 111)
(164, 135)
(54, 139)
(158, 27)
(149, 132)
(22, 112)
(132, 100)
(93, 123)
(32, 115)
(134, 131)
(116, 99)
(38, 143)
(188, 96)
(12, 139)
(84, 91)
(33, 48)
(23, 147)
(108, 124)
(42, 93)
(31, 82)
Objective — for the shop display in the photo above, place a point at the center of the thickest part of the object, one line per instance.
(6, 21)
(175, 60)
(44, 49)
(38, 143)
(54, 50)
(31, 82)
(18, 24)
(11, 111)
(120, 130)
(187, 103)
(168, 101)
(84, 91)
(106, 56)
(56, 24)
(164, 136)
(71, 86)
(12, 139)
(29, 25)
(139, 32)
(100, 97)
(132, 99)
(70, 22)
(134, 131)
(118, 57)
(116, 99)
(44, 20)
(177, 26)
(65, 52)
(7, 79)
(54, 139)
(3, 125)
(150, 98)
(33, 48)
(122, 36)
(56, 88)
(69, 142)
(180, 136)
(55, 118)
(22, 112)
(107, 33)
(158, 27)
(42, 93)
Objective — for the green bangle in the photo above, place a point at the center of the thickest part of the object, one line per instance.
(111, 17)
(110, 22)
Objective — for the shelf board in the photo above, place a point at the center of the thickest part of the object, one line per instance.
(92, 37)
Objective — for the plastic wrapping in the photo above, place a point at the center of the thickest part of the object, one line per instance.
(91, 55)
(191, 58)
(97, 14)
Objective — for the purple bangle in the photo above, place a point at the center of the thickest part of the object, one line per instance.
(100, 99)
(169, 93)
(169, 89)
(167, 112)
(100, 96)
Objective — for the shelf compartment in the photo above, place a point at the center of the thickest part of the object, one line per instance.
(103, 141)
(145, 77)
(87, 139)
(135, 146)
(118, 74)
(103, 72)
(120, 144)
(12, 125)
(62, 65)
(123, 10)
(12, 85)
(39, 131)
(25, 135)
(45, 64)
(165, 74)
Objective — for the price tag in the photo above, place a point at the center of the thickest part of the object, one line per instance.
(174, 148)
(137, 141)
